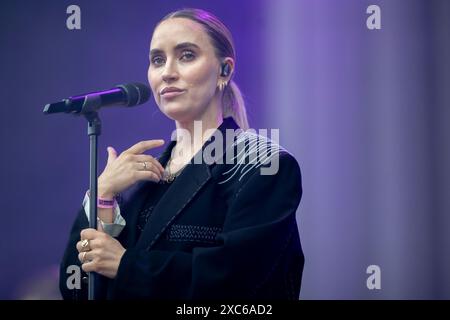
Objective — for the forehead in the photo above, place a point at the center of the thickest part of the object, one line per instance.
(178, 30)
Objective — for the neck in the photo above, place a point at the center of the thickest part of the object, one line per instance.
(191, 135)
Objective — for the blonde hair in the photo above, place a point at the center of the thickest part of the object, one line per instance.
(222, 41)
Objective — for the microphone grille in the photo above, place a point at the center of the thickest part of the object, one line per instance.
(137, 93)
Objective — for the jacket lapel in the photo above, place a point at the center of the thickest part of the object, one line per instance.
(180, 193)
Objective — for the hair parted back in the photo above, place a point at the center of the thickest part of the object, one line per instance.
(222, 41)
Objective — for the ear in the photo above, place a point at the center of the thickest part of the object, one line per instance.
(230, 62)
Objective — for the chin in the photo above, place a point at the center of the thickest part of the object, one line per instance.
(178, 113)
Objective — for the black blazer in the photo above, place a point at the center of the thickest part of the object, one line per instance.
(220, 231)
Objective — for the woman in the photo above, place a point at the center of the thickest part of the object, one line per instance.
(193, 229)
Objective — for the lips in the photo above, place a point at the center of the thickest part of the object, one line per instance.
(167, 90)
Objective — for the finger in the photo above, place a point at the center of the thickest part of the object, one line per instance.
(88, 234)
(112, 154)
(89, 266)
(93, 244)
(142, 146)
(150, 167)
(85, 256)
(148, 163)
(147, 158)
(148, 176)
(80, 247)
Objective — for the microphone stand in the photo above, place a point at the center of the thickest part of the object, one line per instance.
(94, 130)
(88, 105)
(91, 104)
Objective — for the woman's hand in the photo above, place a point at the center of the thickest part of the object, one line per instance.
(101, 254)
(128, 168)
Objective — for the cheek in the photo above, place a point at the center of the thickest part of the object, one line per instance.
(153, 81)
(201, 75)
(202, 79)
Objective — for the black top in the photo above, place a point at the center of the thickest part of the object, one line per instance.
(151, 201)
(218, 231)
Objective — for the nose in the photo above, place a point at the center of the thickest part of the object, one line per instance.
(170, 72)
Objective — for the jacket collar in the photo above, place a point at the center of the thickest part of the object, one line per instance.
(183, 188)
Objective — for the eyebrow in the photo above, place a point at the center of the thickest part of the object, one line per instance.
(178, 47)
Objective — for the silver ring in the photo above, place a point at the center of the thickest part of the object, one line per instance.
(145, 165)
(83, 256)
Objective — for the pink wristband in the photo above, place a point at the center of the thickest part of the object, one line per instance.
(105, 203)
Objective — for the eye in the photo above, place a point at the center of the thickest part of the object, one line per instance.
(157, 60)
(187, 55)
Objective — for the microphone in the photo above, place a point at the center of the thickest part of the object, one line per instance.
(126, 95)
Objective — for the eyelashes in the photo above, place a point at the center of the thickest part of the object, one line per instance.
(186, 56)
(157, 60)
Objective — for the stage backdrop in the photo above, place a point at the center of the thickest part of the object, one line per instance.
(365, 112)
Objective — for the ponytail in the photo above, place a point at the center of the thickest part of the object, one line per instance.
(234, 105)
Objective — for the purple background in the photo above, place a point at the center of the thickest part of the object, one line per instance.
(366, 113)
